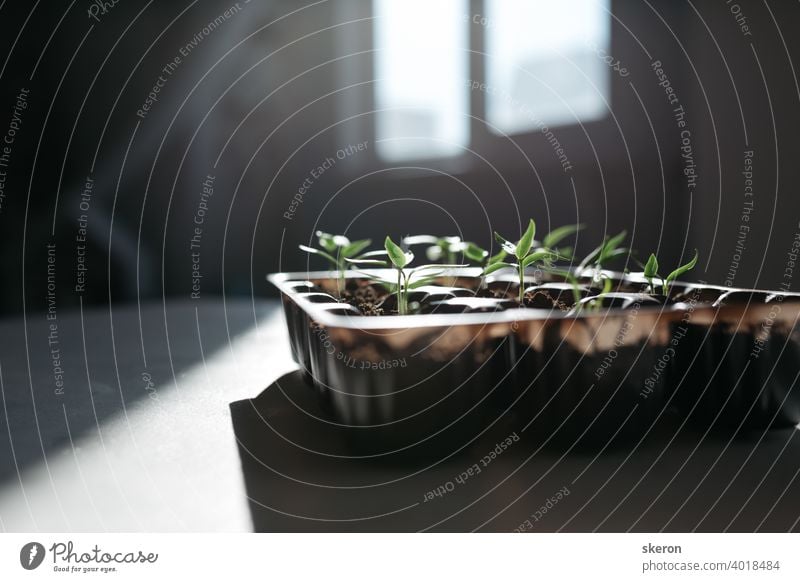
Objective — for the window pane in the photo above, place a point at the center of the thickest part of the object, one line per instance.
(543, 64)
(421, 66)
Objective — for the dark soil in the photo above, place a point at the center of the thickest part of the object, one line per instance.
(366, 299)
(489, 294)
(372, 299)
(543, 300)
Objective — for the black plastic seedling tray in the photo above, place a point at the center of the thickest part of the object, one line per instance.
(716, 356)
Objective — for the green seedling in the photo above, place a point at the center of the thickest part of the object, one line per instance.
(524, 253)
(596, 304)
(482, 258)
(610, 249)
(570, 278)
(651, 272)
(340, 252)
(550, 242)
(337, 250)
(475, 253)
(443, 249)
(407, 278)
(555, 236)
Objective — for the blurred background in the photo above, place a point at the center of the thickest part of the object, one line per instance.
(168, 148)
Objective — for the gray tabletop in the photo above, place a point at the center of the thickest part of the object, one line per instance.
(191, 416)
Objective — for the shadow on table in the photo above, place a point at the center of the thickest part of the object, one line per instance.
(302, 473)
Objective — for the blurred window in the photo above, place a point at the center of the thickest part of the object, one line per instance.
(544, 65)
(421, 64)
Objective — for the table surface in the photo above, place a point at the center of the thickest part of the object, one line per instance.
(191, 416)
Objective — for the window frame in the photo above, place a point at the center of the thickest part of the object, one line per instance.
(362, 105)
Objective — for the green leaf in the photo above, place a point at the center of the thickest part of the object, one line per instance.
(510, 248)
(506, 245)
(475, 253)
(651, 267)
(497, 258)
(682, 269)
(590, 257)
(557, 256)
(615, 241)
(326, 241)
(499, 238)
(433, 253)
(539, 255)
(399, 258)
(423, 281)
(340, 241)
(616, 253)
(609, 249)
(494, 267)
(368, 262)
(556, 236)
(525, 242)
(419, 239)
(379, 253)
(565, 253)
(437, 266)
(355, 247)
(320, 252)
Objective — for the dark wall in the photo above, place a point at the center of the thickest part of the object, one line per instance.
(744, 92)
(265, 97)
